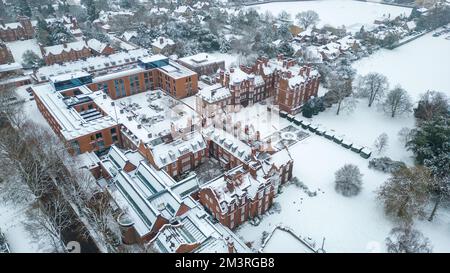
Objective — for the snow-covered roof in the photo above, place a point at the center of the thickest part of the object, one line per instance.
(229, 143)
(92, 64)
(244, 185)
(96, 45)
(200, 59)
(127, 35)
(10, 67)
(147, 116)
(166, 154)
(162, 42)
(411, 25)
(72, 123)
(214, 93)
(183, 9)
(58, 49)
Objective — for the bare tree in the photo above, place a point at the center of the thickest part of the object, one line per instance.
(381, 143)
(11, 106)
(307, 18)
(405, 239)
(397, 102)
(338, 91)
(405, 194)
(440, 189)
(51, 219)
(404, 135)
(373, 86)
(348, 180)
(432, 104)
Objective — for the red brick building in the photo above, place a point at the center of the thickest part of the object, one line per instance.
(23, 29)
(65, 52)
(241, 194)
(151, 73)
(289, 84)
(5, 54)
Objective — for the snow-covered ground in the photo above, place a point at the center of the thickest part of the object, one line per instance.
(365, 124)
(13, 221)
(356, 224)
(19, 47)
(30, 108)
(418, 66)
(351, 14)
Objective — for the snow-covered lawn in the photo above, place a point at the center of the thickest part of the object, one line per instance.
(351, 14)
(365, 124)
(418, 66)
(30, 108)
(19, 47)
(356, 224)
(282, 241)
(13, 224)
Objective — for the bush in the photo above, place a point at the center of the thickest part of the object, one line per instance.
(385, 164)
(348, 180)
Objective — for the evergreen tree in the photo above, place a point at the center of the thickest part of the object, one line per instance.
(31, 60)
(24, 8)
(91, 10)
(42, 32)
(430, 143)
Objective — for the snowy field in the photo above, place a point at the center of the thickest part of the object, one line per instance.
(19, 47)
(364, 125)
(356, 224)
(13, 221)
(418, 66)
(351, 14)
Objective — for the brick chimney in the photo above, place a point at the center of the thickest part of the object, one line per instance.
(222, 77)
(230, 184)
(65, 45)
(230, 245)
(280, 57)
(302, 70)
(2, 22)
(161, 40)
(231, 69)
(227, 79)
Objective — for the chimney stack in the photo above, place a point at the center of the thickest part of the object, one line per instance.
(230, 184)
(230, 245)
(308, 70)
(222, 77)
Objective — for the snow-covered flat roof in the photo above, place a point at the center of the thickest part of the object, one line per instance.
(200, 59)
(68, 76)
(10, 67)
(91, 64)
(147, 116)
(72, 123)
